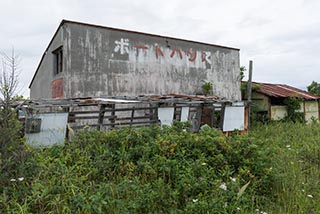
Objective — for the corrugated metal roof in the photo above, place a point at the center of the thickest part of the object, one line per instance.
(281, 90)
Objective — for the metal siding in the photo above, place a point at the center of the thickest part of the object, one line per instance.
(53, 130)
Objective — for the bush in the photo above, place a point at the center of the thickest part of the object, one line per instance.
(146, 170)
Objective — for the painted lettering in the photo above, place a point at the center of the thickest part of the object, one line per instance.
(192, 55)
(122, 46)
(158, 51)
(176, 50)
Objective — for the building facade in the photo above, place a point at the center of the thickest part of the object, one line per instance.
(84, 60)
(269, 101)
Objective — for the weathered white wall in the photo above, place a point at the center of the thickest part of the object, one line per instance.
(110, 62)
(278, 112)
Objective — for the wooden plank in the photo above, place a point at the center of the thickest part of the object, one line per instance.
(131, 123)
(90, 117)
(134, 118)
(85, 112)
(129, 109)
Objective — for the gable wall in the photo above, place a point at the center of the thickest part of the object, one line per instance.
(41, 86)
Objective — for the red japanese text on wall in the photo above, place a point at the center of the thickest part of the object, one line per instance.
(123, 49)
(57, 88)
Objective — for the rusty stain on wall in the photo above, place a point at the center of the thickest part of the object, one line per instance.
(57, 88)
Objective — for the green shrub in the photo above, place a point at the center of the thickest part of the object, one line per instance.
(146, 170)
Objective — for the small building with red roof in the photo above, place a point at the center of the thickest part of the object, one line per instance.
(268, 101)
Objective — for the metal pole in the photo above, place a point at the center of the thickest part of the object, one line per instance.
(249, 91)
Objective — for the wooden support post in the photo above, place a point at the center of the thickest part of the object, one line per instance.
(222, 111)
(132, 115)
(101, 116)
(113, 113)
(199, 117)
(249, 90)
(213, 119)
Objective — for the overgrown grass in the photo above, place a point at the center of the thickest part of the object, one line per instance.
(296, 161)
(170, 170)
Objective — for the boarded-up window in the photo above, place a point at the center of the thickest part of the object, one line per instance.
(57, 88)
(33, 125)
(233, 118)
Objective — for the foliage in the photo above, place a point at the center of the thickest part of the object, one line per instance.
(242, 70)
(146, 170)
(12, 151)
(296, 161)
(171, 170)
(314, 88)
(293, 107)
(207, 88)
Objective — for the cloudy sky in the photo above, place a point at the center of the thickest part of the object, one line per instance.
(282, 37)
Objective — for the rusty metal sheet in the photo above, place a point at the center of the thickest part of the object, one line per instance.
(281, 90)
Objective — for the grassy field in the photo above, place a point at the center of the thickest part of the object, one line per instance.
(152, 170)
(296, 161)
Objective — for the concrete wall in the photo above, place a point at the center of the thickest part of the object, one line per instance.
(260, 101)
(41, 86)
(278, 112)
(110, 62)
(311, 110)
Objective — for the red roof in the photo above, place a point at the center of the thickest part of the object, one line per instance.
(281, 90)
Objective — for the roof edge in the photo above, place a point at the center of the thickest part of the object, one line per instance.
(143, 33)
(305, 94)
(44, 53)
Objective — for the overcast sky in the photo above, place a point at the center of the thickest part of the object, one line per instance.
(282, 37)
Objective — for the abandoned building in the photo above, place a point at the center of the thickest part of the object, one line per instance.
(85, 60)
(106, 78)
(269, 101)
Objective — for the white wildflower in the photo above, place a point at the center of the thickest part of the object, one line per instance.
(257, 210)
(262, 212)
(21, 179)
(232, 179)
(195, 200)
(203, 164)
(302, 190)
(13, 180)
(223, 186)
(310, 196)
(238, 208)
(288, 146)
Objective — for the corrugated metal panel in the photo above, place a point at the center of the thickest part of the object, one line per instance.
(281, 90)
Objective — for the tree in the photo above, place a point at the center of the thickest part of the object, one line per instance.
(11, 149)
(314, 88)
(242, 70)
(9, 74)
